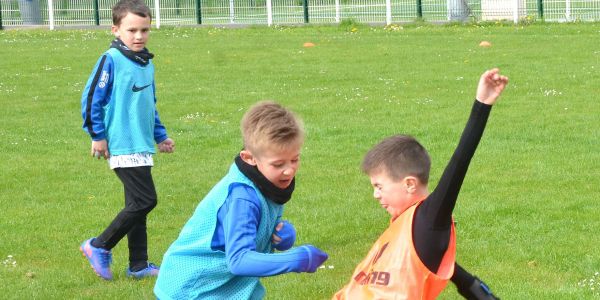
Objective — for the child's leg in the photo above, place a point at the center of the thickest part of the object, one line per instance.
(140, 199)
(138, 246)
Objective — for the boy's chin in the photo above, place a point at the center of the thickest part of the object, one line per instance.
(394, 213)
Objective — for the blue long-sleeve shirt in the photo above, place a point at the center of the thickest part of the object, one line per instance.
(237, 222)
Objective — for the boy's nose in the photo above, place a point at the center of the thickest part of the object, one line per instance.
(376, 194)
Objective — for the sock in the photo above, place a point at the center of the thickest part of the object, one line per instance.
(97, 243)
(137, 266)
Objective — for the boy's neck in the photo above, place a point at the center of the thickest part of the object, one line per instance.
(421, 194)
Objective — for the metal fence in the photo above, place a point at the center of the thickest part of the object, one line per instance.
(53, 13)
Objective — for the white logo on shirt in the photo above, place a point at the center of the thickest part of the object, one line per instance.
(103, 79)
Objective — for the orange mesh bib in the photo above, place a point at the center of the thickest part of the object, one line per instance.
(392, 269)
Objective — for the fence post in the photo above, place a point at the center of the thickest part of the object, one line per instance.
(157, 13)
(337, 11)
(96, 13)
(231, 11)
(541, 9)
(51, 14)
(1, 16)
(515, 11)
(388, 12)
(269, 13)
(419, 9)
(198, 12)
(568, 10)
(305, 4)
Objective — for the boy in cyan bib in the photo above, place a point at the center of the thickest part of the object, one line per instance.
(229, 242)
(118, 106)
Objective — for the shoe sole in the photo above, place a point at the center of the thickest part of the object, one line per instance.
(140, 276)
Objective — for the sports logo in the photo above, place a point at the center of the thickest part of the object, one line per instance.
(103, 79)
(139, 88)
(374, 277)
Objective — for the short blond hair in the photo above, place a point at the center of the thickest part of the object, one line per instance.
(269, 125)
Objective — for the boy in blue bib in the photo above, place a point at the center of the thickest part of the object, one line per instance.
(228, 243)
(118, 107)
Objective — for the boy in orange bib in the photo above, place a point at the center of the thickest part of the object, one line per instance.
(415, 257)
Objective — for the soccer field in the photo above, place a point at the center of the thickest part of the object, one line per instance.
(527, 214)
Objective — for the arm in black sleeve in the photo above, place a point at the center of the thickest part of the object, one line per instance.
(431, 229)
(469, 286)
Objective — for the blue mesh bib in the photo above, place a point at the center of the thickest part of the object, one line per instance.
(192, 270)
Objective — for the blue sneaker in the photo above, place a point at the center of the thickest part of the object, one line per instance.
(99, 258)
(149, 271)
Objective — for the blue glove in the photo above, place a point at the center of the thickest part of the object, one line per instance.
(287, 234)
(316, 257)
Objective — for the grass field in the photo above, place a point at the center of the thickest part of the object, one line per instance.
(528, 210)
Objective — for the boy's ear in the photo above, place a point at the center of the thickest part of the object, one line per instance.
(248, 157)
(412, 184)
(115, 30)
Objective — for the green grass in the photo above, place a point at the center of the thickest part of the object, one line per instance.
(527, 213)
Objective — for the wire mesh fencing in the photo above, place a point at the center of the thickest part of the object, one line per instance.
(52, 13)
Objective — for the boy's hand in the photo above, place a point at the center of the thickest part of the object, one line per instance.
(100, 149)
(284, 236)
(316, 257)
(491, 85)
(167, 145)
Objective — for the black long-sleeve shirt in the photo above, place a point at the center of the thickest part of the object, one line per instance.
(433, 217)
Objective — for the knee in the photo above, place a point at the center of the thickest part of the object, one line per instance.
(149, 204)
(142, 206)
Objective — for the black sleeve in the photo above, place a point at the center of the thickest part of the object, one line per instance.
(461, 278)
(431, 229)
(469, 286)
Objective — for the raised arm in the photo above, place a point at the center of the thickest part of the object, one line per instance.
(431, 232)
(491, 84)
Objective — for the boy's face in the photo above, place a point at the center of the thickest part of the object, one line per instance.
(278, 166)
(133, 31)
(393, 195)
